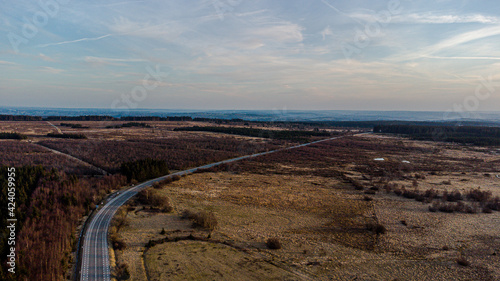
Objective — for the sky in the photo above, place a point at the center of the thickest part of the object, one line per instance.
(430, 55)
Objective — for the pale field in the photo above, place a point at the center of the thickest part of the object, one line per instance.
(97, 129)
(320, 223)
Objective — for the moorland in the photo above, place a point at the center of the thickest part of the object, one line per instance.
(390, 205)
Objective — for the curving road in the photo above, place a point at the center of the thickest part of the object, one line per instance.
(94, 263)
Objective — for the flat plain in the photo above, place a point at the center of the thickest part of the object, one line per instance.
(365, 207)
(324, 203)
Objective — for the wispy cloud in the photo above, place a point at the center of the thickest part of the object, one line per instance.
(462, 58)
(75, 41)
(450, 43)
(284, 32)
(46, 58)
(326, 32)
(7, 62)
(110, 61)
(446, 19)
(164, 30)
(52, 70)
(119, 3)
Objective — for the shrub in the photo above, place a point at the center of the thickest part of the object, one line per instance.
(206, 220)
(273, 243)
(430, 194)
(469, 209)
(118, 243)
(433, 208)
(202, 219)
(419, 176)
(414, 183)
(188, 215)
(494, 204)
(398, 191)
(463, 261)
(357, 185)
(411, 194)
(388, 188)
(478, 195)
(455, 196)
(167, 180)
(487, 210)
(447, 207)
(150, 197)
(377, 228)
(121, 272)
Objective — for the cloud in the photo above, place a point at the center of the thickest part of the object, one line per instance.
(52, 70)
(463, 58)
(119, 3)
(446, 19)
(46, 58)
(109, 61)
(327, 31)
(75, 41)
(451, 42)
(7, 62)
(284, 32)
(169, 30)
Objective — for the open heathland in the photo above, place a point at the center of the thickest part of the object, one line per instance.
(330, 211)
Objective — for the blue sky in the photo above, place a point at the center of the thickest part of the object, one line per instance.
(241, 54)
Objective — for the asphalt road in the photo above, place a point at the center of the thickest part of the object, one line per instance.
(95, 254)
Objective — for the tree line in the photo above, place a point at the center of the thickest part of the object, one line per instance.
(479, 135)
(144, 169)
(74, 126)
(291, 135)
(130, 125)
(12, 136)
(66, 136)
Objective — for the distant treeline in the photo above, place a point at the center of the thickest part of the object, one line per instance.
(66, 136)
(458, 134)
(318, 124)
(12, 136)
(251, 132)
(156, 118)
(74, 126)
(371, 124)
(145, 169)
(130, 124)
(20, 118)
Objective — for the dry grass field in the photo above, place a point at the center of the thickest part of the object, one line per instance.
(336, 211)
(326, 227)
